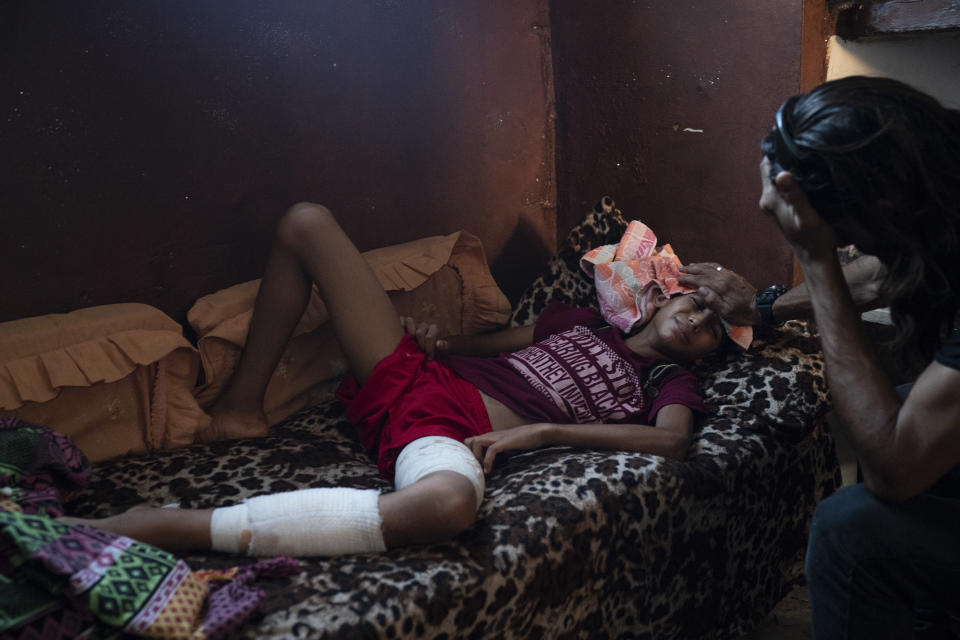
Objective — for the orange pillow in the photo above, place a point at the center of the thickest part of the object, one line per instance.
(117, 378)
(440, 279)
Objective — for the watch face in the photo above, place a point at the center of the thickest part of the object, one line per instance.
(769, 294)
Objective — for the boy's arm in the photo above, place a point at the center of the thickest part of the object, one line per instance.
(482, 344)
(670, 437)
(490, 344)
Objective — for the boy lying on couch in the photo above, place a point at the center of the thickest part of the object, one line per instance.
(436, 410)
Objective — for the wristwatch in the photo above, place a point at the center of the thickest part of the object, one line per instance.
(765, 298)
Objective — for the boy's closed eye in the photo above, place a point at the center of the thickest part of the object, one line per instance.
(715, 326)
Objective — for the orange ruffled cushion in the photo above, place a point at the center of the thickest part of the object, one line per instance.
(440, 279)
(118, 378)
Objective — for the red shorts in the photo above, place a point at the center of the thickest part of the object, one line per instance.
(409, 397)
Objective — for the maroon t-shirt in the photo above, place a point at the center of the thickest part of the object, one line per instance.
(577, 371)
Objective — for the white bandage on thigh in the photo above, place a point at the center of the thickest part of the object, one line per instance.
(308, 522)
(438, 453)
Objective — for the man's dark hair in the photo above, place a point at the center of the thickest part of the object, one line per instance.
(881, 155)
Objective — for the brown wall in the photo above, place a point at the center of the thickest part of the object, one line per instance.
(147, 148)
(631, 76)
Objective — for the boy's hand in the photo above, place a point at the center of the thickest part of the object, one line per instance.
(486, 447)
(427, 335)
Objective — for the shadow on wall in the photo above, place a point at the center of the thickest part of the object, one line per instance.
(514, 275)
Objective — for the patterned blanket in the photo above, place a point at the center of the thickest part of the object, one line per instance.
(568, 543)
(63, 581)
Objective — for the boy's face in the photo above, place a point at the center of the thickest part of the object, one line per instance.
(686, 328)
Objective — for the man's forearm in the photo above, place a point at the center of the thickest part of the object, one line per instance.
(861, 391)
(863, 277)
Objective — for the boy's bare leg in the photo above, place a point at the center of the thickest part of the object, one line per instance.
(432, 509)
(170, 529)
(309, 247)
(281, 300)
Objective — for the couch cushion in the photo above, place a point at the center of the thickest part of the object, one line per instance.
(118, 378)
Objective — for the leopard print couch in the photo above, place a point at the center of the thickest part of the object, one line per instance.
(568, 543)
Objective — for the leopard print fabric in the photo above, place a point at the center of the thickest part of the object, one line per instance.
(568, 543)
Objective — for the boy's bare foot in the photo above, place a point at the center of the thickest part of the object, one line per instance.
(232, 424)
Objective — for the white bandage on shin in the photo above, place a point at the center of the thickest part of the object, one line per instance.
(308, 522)
(227, 528)
(438, 453)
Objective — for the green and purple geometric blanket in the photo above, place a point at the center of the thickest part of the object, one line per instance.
(65, 581)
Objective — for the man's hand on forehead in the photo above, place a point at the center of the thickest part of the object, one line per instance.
(725, 291)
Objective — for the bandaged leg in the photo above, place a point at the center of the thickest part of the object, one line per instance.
(327, 522)
(308, 522)
(438, 453)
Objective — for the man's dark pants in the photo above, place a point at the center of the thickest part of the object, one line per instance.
(880, 569)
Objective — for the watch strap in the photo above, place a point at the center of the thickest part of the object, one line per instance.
(765, 299)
